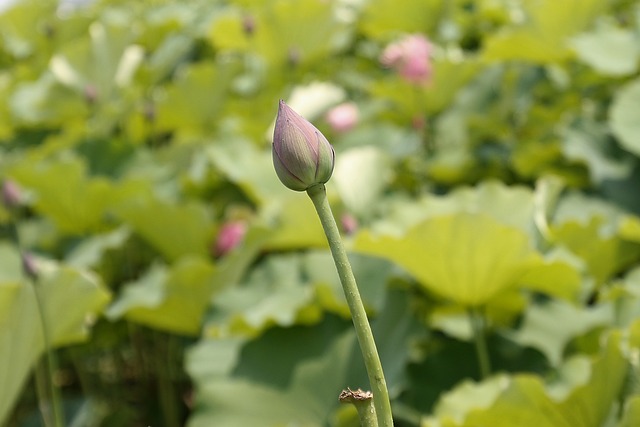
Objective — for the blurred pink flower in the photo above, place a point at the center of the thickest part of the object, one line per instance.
(410, 56)
(11, 194)
(343, 117)
(231, 234)
(349, 223)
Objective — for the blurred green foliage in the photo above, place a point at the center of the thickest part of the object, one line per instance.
(506, 185)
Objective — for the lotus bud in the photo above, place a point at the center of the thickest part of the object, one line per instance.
(30, 266)
(343, 117)
(302, 156)
(231, 235)
(349, 223)
(11, 194)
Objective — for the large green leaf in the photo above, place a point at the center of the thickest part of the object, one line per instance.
(248, 166)
(85, 202)
(282, 28)
(288, 376)
(510, 205)
(603, 255)
(359, 191)
(384, 18)
(623, 116)
(609, 50)
(171, 299)
(466, 258)
(293, 289)
(70, 301)
(542, 35)
(193, 102)
(174, 230)
(293, 375)
(540, 326)
(583, 397)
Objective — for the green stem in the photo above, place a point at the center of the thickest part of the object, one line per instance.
(49, 406)
(477, 320)
(363, 401)
(165, 379)
(58, 415)
(40, 376)
(381, 402)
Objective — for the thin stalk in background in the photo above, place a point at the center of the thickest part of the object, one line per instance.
(478, 325)
(381, 402)
(50, 368)
(165, 375)
(48, 395)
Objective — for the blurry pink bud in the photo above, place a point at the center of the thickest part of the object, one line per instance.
(229, 237)
(90, 94)
(343, 117)
(248, 25)
(418, 122)
(410, 57)
(11, 194)
(349, 224)
(29, 265)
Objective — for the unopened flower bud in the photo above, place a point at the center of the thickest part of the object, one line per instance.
(30, 266)
(343, 117)
(230, 236)
(349, 223)
(248, 25)
(302, 156)
(11, 194)
(90, 94)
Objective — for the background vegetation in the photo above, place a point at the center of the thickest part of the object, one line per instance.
(497, 197)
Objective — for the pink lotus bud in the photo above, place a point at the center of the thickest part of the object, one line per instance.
(90, 94)
(343, 117)
(410, 57)
(30, 266)
(229, 237)
(248, 25)
(349, 224)
(302, 156)
(11, 194)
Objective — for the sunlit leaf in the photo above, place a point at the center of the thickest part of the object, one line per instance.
(542, 37)
(360, 175)
(289, 375)
(610, 51)
(623, 116)
(293, 289)
(466, 258)
(540, 326)
(171, 299)
(526, 400)
(83, 204)
(193, 102)
(174, 230)
(383, 18)
(282, 30)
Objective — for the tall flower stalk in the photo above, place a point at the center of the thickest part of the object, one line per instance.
(48, 396)
(304, 160)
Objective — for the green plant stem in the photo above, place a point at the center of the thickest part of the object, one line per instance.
(381, 402)
(50, 365)
(164, 344)
(477, 320)
(44, 373)
(40, 376)
(363, 403)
